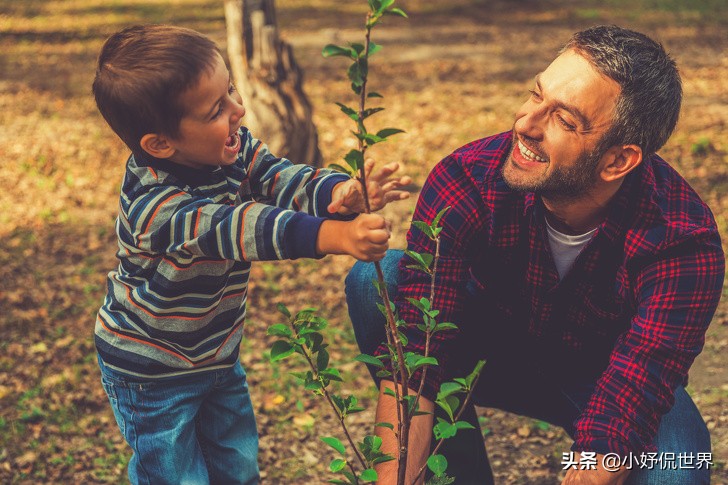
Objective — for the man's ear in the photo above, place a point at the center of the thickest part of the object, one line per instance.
(620, 160)
(157, 146)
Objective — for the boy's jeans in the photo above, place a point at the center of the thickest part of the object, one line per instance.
(682, 430)
(193, 429)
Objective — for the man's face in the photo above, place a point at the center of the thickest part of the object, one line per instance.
(557, 131)
(214, 112)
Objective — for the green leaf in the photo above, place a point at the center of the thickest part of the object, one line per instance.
(370, 111)
(425, 361)
(382, 459)
(337, 465)
(369, 359)
(437, 464)
(464, 425)
(396, 11)
(322, 360)
(357, 48)
(357, 72)
(279, 330)
(448, 388)
(444, 430)
(423, 304)
(313, 386)
(373, 48)
(438, 217)
(332, 50)
(375, 4)
(445, 326)
(280, 350)
(334, 443)
(350, 112)
(478, 368)
(385, 4)
(355, 159)
(332, 374)
(385, 425)
(389, 392)
(424, 227)
(387, 132)
(374, 94)
(282, 308)
(448, 404)
(368, 475)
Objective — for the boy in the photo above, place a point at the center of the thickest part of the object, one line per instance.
(201, 198)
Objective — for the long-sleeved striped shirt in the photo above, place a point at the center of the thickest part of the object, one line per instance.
(176, 302)
(631, 313)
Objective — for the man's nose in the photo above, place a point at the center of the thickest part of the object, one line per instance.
(530, 120)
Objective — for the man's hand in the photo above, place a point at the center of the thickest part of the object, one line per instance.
(419, 437)
(599, 476)
(348, 197)
(366, 237)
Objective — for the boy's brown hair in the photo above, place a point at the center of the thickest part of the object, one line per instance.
(141, 74)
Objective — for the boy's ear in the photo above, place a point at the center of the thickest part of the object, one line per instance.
(620, 160)
(156, 145)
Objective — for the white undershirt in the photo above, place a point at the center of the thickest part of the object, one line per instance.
(565, 248)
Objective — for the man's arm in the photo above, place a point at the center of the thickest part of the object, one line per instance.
(677, 295)
(419, 437)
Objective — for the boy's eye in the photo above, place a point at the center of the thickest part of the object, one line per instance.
(231, 89)
(218, 112)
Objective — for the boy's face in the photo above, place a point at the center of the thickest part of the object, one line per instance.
(208, 131)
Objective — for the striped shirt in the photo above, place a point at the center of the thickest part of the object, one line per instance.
(176, 302)
(631, 313)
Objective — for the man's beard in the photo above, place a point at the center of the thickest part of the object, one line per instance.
(562, 183)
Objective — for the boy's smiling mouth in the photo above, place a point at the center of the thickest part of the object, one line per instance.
(232, 144)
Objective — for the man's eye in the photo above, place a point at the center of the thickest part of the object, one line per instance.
(565, 124)
(534, 94)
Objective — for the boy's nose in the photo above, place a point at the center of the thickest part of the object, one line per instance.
(238, 112)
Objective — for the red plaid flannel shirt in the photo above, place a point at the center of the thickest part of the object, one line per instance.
(633, 310)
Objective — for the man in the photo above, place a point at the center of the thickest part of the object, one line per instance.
(575, 261)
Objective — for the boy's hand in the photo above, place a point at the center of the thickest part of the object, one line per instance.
(348, 197)
(366, 237)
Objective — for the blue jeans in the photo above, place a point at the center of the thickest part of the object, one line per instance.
(193, 429)
(518, 389)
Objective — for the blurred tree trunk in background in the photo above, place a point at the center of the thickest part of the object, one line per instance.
(270, 81)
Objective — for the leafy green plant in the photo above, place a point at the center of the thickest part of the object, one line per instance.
(301, 334)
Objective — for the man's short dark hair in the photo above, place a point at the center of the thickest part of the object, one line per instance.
(141, 74)
(651, 92)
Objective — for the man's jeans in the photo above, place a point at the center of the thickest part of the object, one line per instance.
(513, 389)
(194, 429)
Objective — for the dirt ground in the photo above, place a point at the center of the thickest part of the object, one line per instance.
(455, 71)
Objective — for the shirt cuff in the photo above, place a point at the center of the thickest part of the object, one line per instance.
(326, 190)
(301, 235)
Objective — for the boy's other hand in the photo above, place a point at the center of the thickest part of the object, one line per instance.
(366, 237)
(348, 197)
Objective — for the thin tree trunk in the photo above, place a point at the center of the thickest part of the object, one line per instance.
(270, 81)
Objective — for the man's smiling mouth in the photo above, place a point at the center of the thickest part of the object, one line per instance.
(528, 153)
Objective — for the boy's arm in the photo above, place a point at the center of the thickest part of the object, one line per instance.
(167, 220)
(277, 181)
